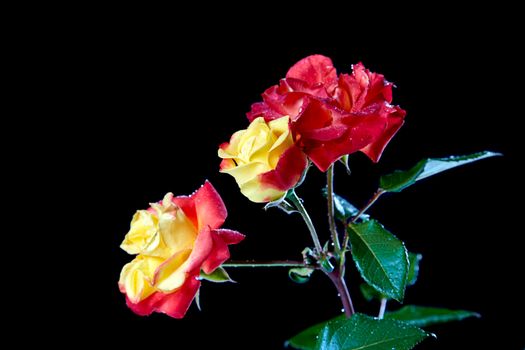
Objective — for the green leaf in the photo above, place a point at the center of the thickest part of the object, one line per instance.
(369, 293)
(300, 274)
(399, 180)
(367, 333)
(380, 257)
(307, 339)
(219, 276)
(421, 316)
(344, 210)
(413, 268)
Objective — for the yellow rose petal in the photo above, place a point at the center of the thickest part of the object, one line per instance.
(247, 172)
(142, 232)
(137, 276)
(171, 275)
(280, 125)
(231, 150)
(176, 231)
(257, 193)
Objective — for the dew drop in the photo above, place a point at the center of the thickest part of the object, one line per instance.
(342, 310)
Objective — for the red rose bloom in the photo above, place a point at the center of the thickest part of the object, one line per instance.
(333, 116)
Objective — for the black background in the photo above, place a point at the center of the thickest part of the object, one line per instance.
(162, 98)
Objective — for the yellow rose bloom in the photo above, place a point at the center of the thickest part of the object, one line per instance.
(263, 159)
(175, 240)
(164, 237)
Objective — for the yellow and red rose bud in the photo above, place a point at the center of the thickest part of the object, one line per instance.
(175, 239)
(263, 159)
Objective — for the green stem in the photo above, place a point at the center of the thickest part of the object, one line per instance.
(382, 308)
(300, 208)
(340, 284)
(273, 263)
(330, 202)
(372, 200)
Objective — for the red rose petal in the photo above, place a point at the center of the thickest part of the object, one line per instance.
(289, 104)
(177, 303)
(202, 248)
(173, 304)
(229, 236)
(314, 69)
(144, 307)
(187, 205)
(288, 171)
(209, 207)
(218, 255)
(395, 121)
(315, 115)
